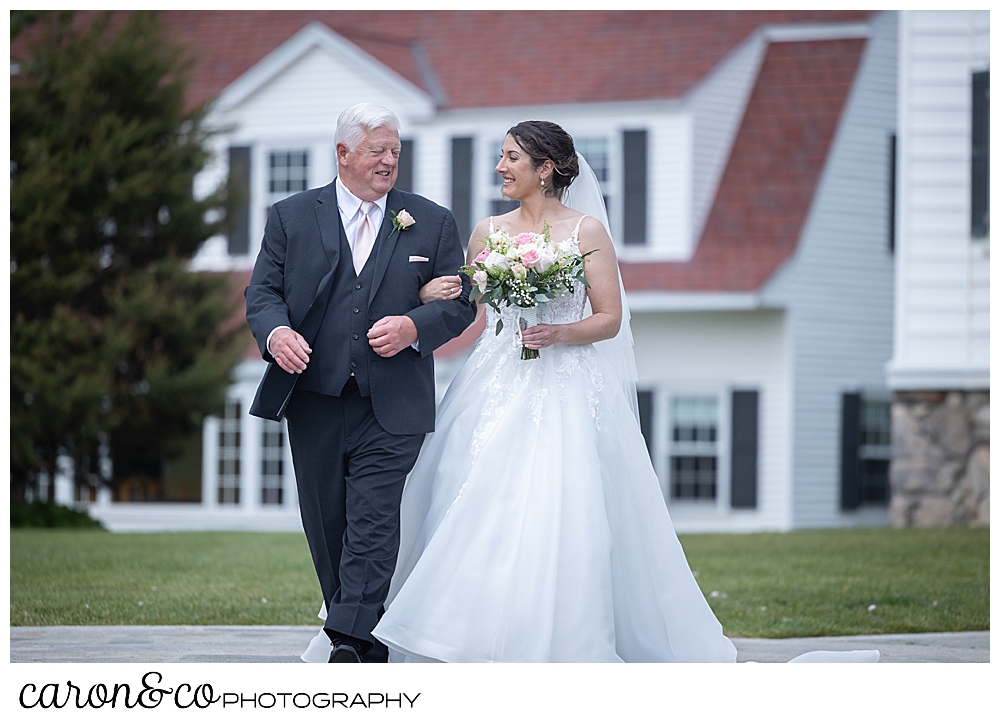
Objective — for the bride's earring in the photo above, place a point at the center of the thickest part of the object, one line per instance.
(543, 183)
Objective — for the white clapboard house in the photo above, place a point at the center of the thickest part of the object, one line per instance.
(747, 164)
(940, 366)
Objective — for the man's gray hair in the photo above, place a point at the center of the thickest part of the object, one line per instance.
(354, 122)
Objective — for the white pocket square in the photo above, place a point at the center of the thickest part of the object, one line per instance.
(419, 258)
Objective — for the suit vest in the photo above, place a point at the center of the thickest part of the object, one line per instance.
(341, 347)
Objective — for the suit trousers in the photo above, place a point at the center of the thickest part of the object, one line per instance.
(350, 474)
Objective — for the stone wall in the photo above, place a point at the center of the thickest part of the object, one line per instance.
(940, 470)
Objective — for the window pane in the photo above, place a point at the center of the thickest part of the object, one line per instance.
(272, 462)
(288, 172)
(875, 423)
(875, 480)
(693, 478)
(229, 454)
(595, 151)
(494, 158)
(694, 455)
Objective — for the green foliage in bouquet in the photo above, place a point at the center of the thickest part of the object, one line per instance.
(524, 273)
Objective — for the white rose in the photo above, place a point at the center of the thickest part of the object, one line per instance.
(497, 261)
(405, 219)
(518, 270)
(479, 279)
(569, 248)
(547, 258)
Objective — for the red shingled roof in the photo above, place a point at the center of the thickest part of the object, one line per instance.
(769, 182)
(498, 58)
(492, 58)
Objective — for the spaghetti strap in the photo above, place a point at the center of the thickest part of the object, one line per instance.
(491, 224)
(576, 232)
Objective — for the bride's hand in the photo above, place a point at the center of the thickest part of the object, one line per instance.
(443, 288)
(541, 335)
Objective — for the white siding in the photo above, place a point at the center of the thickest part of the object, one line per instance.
(291, 109)
(712, 353)
(942, 275)
(839, 286)
(669, 161)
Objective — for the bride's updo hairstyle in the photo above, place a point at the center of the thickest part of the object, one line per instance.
(542, 141)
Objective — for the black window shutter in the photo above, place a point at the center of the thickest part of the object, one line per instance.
(743, 440)
(892, 193)
(404, 180)
(646, 417)
(461, 184)
(239, 188)
(850, 471)
(981, 154)
(634, 187)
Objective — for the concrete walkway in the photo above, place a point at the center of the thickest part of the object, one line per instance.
(284, 644)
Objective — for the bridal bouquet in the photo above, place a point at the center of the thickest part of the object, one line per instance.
(525, 271)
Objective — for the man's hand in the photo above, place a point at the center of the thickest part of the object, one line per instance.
(290, 350)
(391, 334)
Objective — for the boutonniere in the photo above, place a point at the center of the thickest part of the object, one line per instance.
(402, 220)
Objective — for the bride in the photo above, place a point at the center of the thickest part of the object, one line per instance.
(532, 526)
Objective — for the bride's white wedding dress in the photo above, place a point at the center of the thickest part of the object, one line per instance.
(533, 528)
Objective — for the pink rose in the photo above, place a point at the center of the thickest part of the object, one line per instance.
(531, 258)
(482, 256)
(524, 238)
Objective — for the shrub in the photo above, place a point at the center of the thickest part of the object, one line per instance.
(49, 514)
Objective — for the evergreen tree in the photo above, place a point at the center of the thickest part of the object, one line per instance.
(114, 342)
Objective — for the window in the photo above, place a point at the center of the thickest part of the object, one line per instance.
(497, 151)
(288, 173)
(229, 454)
(272, 462)
(866, 447)
(694, 448)
(875, 450)
(498, 204)
(981, 154)
(595, 150)
(598, 155)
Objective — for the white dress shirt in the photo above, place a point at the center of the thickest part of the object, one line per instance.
(349, 206)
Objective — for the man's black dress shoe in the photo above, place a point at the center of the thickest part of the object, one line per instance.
(344, 653)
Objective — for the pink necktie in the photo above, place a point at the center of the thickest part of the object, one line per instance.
(365, 239)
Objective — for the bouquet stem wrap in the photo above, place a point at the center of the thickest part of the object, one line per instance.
(526, 318)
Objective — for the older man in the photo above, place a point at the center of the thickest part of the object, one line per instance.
(333, 304)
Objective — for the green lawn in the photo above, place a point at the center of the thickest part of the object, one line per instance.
(93, 577)
(761, 585)
(822, 582)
